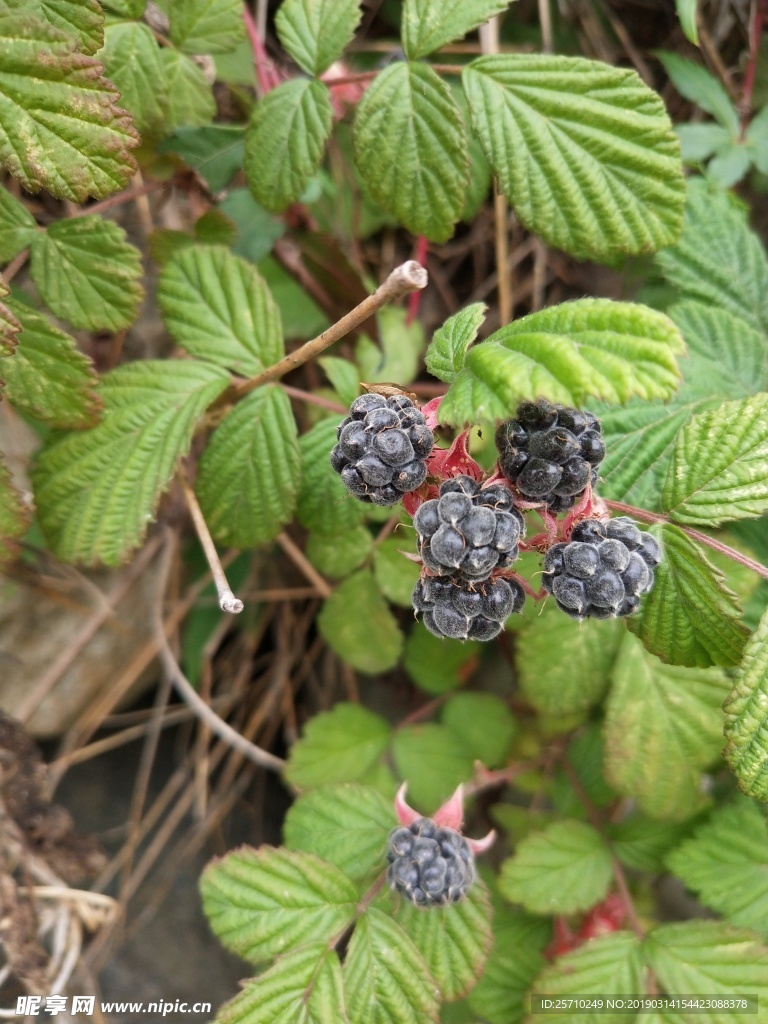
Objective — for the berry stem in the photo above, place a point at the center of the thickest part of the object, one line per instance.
(227, 600)
(656, 517)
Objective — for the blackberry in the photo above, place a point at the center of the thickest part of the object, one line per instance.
(550, 452)
(382, 448)
(429, 864)
(467, 530)
(603, 570)
(464, 610)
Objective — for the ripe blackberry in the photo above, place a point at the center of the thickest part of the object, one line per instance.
(467, 530)
(429, 863)
(603, 570)
(466, 610)
(550, 452)
(382, 448)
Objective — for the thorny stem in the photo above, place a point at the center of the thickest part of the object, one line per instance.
(656, 517)
(227, 600)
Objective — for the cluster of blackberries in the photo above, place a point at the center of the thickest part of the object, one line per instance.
(550, 453)
(429, 863)
(382, 448)
(464, 609)
(602, 571)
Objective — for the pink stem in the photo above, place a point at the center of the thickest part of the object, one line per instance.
(265, 74)
(756, 30)
(414, 300)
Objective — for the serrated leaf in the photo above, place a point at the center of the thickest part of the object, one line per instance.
(14, 517)
(303, 987)
(686, 12)
(565, 868)
(396, 574)
(427, 25)
(199, 26)
(190, 96)
(346, 825)
(88, 273)
(215, 151)
(608, 964)
(131, 57)
(454, 940)
(316, 32)
(746, 720)
(338, 559)
(706, 956)
(726, 864)
(285, 141)
(729, 165)
(411, 149)
(483, 725)
(399, 357)
(248, 476)
(356, 622)
(690, 617)
(386, 979)
(515, 960)
(337, 746)
(433, 764)
(324, 503)
(97, 491)
(218, 307)
(125, 8)
(642, 843)
(448, 348)
(343, 376)
(570, 141)
(81, 19)
(438, 665)
(697, 84)
(719, 469)
(262, 902)
(718, 260)
(9, 327)
(17, 226)
(699, 141)
(564, 666)
(590, 347)
(62, 132)
(663, 726)
(47, 377)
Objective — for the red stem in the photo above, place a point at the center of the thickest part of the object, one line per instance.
(756, 30)
(266, 75)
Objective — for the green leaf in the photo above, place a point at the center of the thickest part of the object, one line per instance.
(386, 979)
(199, 26)
(590, 347)
(338, 558)
(47, 377)
(565, 868)
(125, 8)
(285, 141)
(9, 327)
(190, 96)
(585, 153)
(699, 141)
(609, 964)
(218, 307)
(726, 864)
(316, 32)
(337, 746)
(215, 151)
(324, 503)
(97, 491)
(88, 273)
(455, 940)
(448, 348)
(396, 574)
(304, 986)
(346, 825)
(663, 726)
(690, 617)
(357, 623)
(83, 20)
(746, 720)
(14, 516)
(262, 902)
(438, 665)
(17, 226)
(411, 149)
(399, 357)
(432, 762)
(564, 666)
(483, 725)
(427, 25)
(63, 132)
(719, 469)
(516, 959)
(730, 165)
(257, 231)
(686, 12)
(642, 843)
(249, 472)
(343, 376)
(706, 956)
(718, 259)
(756, 138)
(696, 84)
(131, 57)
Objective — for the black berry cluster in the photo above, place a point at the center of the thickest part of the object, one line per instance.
(382, 448)
(429, 863)
(602, 571)
(550, 452)
(465, 610)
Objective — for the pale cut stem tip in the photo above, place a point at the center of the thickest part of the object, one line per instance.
(411, 274)
(229, 603)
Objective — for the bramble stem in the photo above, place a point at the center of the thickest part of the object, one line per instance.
(227, 600)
